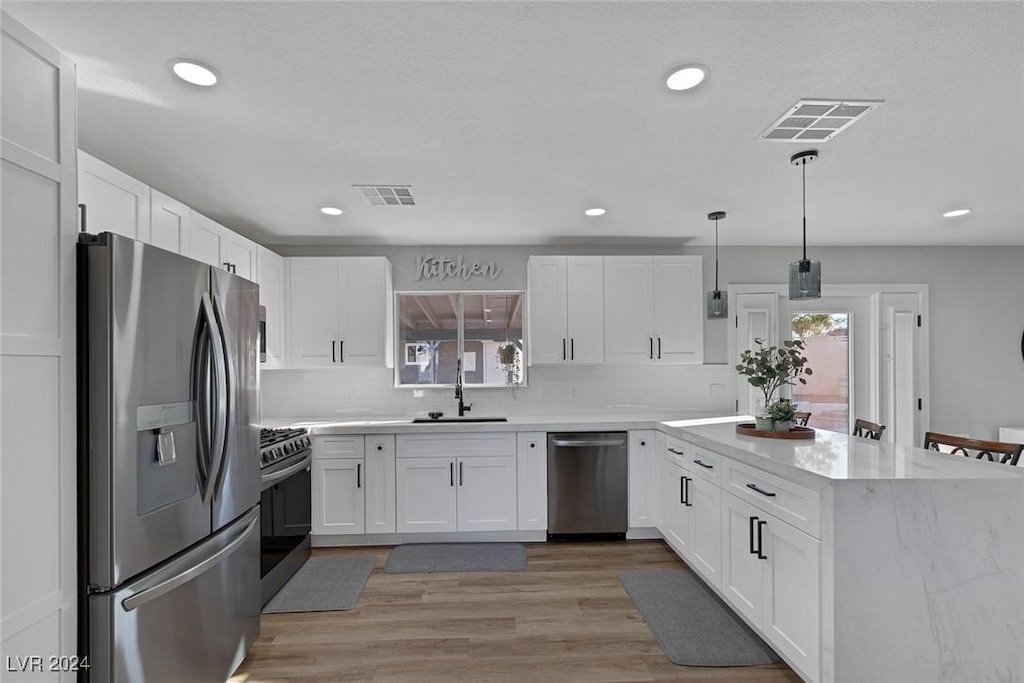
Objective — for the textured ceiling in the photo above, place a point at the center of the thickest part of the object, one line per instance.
(508, 119)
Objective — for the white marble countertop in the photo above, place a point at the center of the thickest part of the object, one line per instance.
(830, 457)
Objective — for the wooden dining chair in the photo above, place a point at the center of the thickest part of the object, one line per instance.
(994, 451)
(800, 418)
(869, 430)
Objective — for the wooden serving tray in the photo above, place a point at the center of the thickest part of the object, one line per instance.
(748, 429)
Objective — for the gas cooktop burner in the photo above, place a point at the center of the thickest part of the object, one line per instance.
(276, 444)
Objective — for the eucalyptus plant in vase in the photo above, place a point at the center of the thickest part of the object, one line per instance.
(769, 369)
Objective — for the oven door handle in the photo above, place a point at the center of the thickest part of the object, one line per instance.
(274, 477)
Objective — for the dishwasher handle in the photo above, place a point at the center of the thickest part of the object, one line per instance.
(583, 443)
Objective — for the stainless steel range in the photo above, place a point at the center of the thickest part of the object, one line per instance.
(286, 516)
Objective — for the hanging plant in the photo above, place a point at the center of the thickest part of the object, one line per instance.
(508, 358)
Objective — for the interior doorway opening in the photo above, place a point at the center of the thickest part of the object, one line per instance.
(827, 394)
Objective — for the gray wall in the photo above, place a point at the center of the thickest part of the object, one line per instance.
(976, 297)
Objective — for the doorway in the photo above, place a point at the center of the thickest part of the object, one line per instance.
(826, 396)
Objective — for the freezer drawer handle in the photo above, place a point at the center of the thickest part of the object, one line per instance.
(575, 443)
(167, 585)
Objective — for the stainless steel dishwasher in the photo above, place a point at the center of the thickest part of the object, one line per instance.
(587, 483)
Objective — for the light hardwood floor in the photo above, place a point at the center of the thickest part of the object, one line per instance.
(566, 618)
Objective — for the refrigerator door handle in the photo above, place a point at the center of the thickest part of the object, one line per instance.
(163, 585)
(221, 392)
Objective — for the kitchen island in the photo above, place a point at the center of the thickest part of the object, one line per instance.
(857, 560)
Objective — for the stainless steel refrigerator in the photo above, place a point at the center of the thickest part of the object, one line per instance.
(169, 483)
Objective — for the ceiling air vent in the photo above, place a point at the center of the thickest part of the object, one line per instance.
(387, 195)
(818, 120)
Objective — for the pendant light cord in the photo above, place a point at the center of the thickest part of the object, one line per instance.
(803, 173)
(716, 254)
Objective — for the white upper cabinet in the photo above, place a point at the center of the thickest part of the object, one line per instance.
(339, 311)
(114, 201)
(218, 246)
(652, 309)
(566, 309)
(169, 223)
(270, 268)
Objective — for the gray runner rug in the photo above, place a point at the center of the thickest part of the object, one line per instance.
(323, 584)
(456, 557)
(691, 624)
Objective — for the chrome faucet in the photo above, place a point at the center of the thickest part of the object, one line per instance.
(463, 408)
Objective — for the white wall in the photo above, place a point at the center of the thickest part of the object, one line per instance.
(976, 318)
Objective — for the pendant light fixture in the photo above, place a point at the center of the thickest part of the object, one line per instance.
(804, 275)
(718, 305)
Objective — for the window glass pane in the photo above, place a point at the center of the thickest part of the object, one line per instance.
(493, 321)
(427, 338)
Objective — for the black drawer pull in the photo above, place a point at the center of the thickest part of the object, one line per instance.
(688, 503)
(761, 491)
(704, 465)
(359, 475)
(761, 524)
(672, 450)
(753, 550)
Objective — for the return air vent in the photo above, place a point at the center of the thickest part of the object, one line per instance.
(818, 120)
(387, 195)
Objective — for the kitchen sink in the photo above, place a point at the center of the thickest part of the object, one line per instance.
(424, 420)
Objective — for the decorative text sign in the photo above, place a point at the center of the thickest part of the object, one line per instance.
(441, 267)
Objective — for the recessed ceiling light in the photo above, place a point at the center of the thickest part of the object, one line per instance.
(686, 77)
(596, 211)
(194, 72)
(956, 212)
(330, 210)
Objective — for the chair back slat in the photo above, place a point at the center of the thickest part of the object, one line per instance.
(867, 429)
(800, 417)
(993, 451)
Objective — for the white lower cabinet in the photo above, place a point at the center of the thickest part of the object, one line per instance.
(486, 493)
(425, 498)
(532, 480)
(380, 483)
(771, 574)
(338, 496)
(706, 530)
(676, 515)
(644, 475)
(474, 493)
(353, 484)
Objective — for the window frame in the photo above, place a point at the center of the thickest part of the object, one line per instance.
(400, 345)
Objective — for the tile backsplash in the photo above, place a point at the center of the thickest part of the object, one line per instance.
(355, 392)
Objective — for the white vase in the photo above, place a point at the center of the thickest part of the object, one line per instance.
(763, 422)
(783, 426)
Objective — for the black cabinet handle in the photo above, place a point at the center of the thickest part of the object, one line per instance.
(672, 450)
(689, 504)
(380, 447)
(753, 550)
(754, 487)
(533, 444)
(682, 490)
(451, 474)
(334, 358)
(760, 539)
(659, 348)
(704, 465)
(81, 212)
(572, 348)
(652, 347)
(460, 473)
(359, 475)
(341, 350)
(643, 443)
(563, 348)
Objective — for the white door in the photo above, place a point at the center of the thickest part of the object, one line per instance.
(313, 307)
(676, 514)
(585, 308)
(114, 200)
(486, 493)
(169, 223)
(532, 480)
(379, 483)
(644, 471)
(756, 317)
(425, 494)
(205, 239)
(547, 309)
(902, 369)
(678, 309)
(742, 571)
(791, 589)
(270, 267)
(361, 316)
(241, 254)
(628, 309)
(338, 496)
(706, 530)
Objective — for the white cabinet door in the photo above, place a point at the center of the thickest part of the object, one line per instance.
(706, 530)
(169, 223)
(585, 308)
(792, 585)
(361, 316)
(241, 254)
(628, 309)
(532, 479)
(425, 494)
(742, 573)
(313, 307)
(270, 267)
(678, 309)
(338, 496)
(644, 474)
(205, 239)
(114, 201)
(676, 522)
(486, 493)
(380, 484)
(546, 290)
